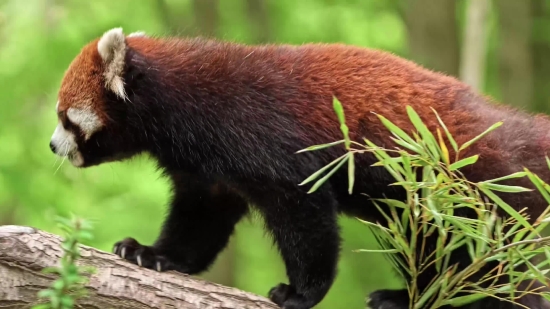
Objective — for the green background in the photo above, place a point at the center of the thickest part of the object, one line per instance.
(39, 38)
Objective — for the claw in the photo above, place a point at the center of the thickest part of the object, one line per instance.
(158, 267)
(123, 252)
(115, 249)
(139, 260)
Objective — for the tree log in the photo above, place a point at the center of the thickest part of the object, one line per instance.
(25, 251)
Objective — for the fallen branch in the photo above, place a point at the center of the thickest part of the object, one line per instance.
(25, 251)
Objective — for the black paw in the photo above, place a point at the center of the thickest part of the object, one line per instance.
(285, 296)
(389, 299)
(144, 256)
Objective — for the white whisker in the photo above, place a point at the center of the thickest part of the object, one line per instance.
(65, 153)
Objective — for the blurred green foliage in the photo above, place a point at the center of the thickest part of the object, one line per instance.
(39, 38)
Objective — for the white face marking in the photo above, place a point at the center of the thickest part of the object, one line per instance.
(66, 146)
(64, 141)
(86, 119)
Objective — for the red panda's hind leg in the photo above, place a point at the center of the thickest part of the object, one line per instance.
(388, 299)
(306, 232)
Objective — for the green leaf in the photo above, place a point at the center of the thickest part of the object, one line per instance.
(339, 109)
(466, 161)
(351, 172)
(58, 285)
(397, 131)
(475, 139)
(449, 136)
(321, 171)
(67, 302)
(502, 204)
(464, 300)
(511, 176)
(317, 147)
(45, 293)
(378, 250)
(443, 147)
(416, 148)
(539, 184)
(427, 136)
(324, 179)
(504, 188)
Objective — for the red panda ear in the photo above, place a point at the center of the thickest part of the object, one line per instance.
(112, 49)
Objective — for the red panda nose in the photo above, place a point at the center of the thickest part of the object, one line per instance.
(52, 147)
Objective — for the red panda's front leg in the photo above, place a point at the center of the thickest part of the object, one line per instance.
(201, 220)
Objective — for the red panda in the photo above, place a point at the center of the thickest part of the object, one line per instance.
(224, 122)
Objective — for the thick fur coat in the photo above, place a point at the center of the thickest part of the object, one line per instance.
(224, 122)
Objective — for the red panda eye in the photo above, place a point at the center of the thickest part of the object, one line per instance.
(64, 119)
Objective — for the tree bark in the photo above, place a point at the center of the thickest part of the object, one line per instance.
(25, 251)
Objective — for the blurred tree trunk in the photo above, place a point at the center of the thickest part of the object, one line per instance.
(259, 20)
(49, 14)
(474, 46)
(433, 36)
(206, 17)
(515, 64)
(175, 25)
(541, 52)
(165, 16)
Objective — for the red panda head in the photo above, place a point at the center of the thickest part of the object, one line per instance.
(91, 105)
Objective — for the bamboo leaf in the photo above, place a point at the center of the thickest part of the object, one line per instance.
(475, 139)
(378, 250)
(327, 176)
(396, 130)
(511, 176)
(339, 109)
(539, 184)
(321, 171)
(466, 161)
(322, 146)
(443, 147)
(427, 136)
(505, 188)
(351, 172)
(464, 300)
(449, 136)
(511, 211)
(415, 148)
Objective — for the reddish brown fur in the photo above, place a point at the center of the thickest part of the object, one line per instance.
(370, 82)
(296, 84)
(83, 85)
